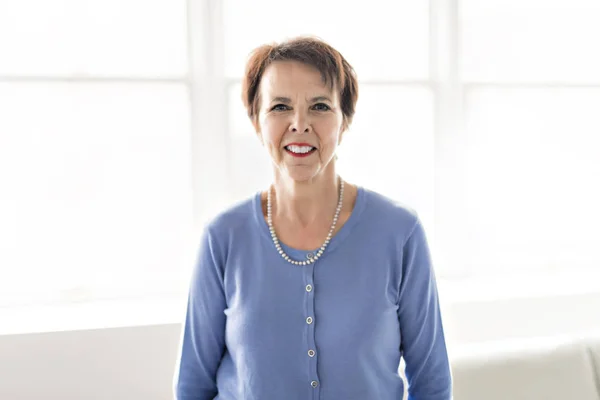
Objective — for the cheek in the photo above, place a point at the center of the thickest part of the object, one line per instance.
(330, 133)
(272, 132)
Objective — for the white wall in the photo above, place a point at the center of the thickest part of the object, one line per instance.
(137, 363)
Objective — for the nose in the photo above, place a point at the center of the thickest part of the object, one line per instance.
(300, 123)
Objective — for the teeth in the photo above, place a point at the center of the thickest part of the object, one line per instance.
(299, 149)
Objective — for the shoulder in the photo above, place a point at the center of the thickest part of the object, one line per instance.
(236, 217)
(392, 217)
(231, 223)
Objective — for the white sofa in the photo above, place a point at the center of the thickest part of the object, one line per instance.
(555, 369)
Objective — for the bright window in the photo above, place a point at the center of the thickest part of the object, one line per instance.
(122, 131)
(95, 158)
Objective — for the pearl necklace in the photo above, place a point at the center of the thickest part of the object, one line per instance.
(323, 247)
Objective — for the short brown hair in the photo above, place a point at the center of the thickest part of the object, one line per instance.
(335, 71)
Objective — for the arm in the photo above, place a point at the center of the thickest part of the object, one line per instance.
(203, 341)
(423, 346)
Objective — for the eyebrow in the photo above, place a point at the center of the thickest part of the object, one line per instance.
(287, 100)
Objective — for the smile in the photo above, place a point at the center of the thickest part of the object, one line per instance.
(300, 150)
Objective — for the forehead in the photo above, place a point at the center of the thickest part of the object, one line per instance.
(292, 76)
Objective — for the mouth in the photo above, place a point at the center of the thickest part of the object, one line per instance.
(300, 150)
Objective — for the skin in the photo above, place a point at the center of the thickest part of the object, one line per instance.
(298, 107)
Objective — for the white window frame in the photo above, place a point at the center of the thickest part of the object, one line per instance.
(210, 144)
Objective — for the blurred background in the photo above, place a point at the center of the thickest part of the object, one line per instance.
(122, 132)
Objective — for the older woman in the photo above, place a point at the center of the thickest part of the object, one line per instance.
(314, 288)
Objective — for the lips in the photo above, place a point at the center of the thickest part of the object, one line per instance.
(300, 154)
(300, 149)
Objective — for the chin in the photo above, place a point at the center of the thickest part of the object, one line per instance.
(301, 174)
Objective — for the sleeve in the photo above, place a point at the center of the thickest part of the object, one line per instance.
(423, 345)
(203, 335)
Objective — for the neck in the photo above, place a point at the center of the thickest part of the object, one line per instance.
(304, 203)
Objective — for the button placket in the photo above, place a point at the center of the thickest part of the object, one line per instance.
(311, 350)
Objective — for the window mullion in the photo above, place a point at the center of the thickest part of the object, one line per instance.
(208, 109)
(450, 138)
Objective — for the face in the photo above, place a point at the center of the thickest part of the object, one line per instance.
(299, 120)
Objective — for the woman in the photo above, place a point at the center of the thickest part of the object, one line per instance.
(314, 288)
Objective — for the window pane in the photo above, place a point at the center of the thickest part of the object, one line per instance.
(96, 189)
(531, 40)
(250, 163)
(390, 146)
(394, 47)
(108, 37)
(533, 179)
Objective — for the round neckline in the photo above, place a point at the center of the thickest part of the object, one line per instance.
(301, 255)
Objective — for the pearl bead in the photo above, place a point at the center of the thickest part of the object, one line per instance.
(322, 249)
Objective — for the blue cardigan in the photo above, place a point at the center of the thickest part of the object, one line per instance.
(259, 328)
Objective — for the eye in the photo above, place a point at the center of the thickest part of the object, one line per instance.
(321, 107)
(280, 107)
